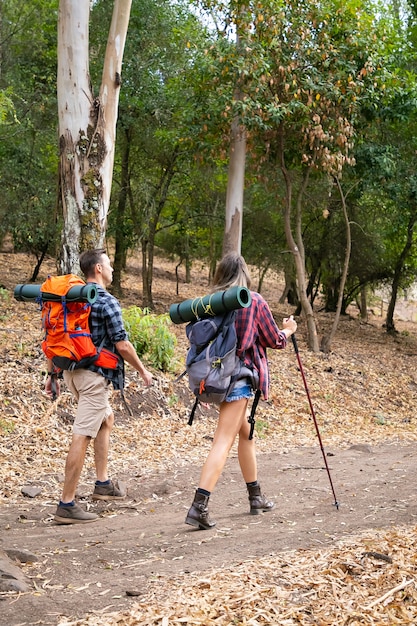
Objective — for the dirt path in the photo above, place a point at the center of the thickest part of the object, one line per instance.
(109, 564)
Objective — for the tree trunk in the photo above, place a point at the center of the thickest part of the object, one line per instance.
(120, 240)
(87, 127)
(364, 304)
(37, 268)
(109, 99)
(297, 250)
(188, 266)
(327, 340)
(77, 117)
(262, 274)
(158, 200)
(146, 284)
(290, 288)
(232, 241)
(389, 321)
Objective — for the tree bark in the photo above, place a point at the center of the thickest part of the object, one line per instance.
(75, 99)
(312, 339)
(120, 239)
(109, 99)
(87, 127)
(389, 320)
(327, 340)
(232, 241)
(364, 304)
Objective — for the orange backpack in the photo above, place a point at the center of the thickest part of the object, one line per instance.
(67, 339)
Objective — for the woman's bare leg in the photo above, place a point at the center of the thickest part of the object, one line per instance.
(247, 453)
(231, 418)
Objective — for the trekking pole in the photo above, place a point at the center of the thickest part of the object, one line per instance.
(294, 342)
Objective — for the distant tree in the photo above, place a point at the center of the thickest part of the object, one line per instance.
(28, 114)
(153, 158)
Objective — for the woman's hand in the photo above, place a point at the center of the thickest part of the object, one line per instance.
(289, 325)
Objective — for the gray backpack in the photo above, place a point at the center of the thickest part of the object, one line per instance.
(212, 364)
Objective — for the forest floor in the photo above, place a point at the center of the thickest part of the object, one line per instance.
(330, 553)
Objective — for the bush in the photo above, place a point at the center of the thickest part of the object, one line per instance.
(151, 337)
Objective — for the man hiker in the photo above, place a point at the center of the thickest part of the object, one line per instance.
(94, 417)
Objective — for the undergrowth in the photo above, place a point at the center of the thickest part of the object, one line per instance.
(151, 337)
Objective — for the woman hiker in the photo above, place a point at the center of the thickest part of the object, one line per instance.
(256, 331)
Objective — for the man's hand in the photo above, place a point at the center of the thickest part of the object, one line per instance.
(146, 377)
(52, 387)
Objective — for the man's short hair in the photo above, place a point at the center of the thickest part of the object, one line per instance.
(89, 259)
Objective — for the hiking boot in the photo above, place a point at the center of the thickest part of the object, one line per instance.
(73, 515)
(258, 502)
(198, 515)
(107, 492)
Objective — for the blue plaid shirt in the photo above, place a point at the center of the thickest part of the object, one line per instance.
(256, 331)
(106, 325)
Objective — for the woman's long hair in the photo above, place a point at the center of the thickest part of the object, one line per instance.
(232, 271)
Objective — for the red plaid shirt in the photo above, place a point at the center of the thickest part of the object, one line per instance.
(256, 331)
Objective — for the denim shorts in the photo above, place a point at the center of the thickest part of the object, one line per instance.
(241, 390)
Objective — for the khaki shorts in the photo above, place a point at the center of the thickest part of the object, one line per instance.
(92, 391)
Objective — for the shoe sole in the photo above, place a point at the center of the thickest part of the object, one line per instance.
(67, 520)
(196, 524)
(97, 496)
(259, 511)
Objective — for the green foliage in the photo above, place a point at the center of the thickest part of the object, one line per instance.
(4, 295)
(6, 426)
(7, 110)
(150, 335)
(323, 84)
(28, 140)
(261, 427)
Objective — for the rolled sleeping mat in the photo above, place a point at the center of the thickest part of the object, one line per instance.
(215, 303)
(77, 293)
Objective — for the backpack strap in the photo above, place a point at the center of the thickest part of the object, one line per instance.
(193, 410)
(179, 377)
(55, 374)
(251, 418)
(54, 389)
(121, 381)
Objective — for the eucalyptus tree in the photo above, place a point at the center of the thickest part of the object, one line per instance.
(152, 159)
(87, 126)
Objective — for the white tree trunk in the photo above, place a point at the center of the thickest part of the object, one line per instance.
(235, 189)
(232, 241)
(87, 127)
(75, 100)
(109, 97)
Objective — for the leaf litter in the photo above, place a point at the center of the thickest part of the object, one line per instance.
(363, 392)
(347, 584)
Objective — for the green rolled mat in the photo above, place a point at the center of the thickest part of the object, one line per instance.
(78, 293)
(215, 303)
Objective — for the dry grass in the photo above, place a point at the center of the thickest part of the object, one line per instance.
(364, 391)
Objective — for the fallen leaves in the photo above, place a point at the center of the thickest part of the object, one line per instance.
(363, 392)
(346, 584)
